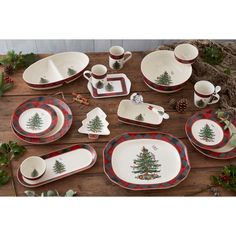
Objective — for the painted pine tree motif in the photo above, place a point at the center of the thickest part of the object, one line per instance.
(71, 72)
(146, 167)
(35, 122)
(164, 79)
(139, 117)
(34, 173)
(95, 125)
(207, 134)
(59, 167)
(116, 65)
(109, 87)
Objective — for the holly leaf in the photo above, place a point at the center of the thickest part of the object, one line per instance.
(17, 150)
(4, 148)
(4, 159)
(4, 177)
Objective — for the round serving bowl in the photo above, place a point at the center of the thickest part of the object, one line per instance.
(186, 53)
(33, 167)
(163, 73)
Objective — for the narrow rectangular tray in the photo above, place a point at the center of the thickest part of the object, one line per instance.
(74, 159)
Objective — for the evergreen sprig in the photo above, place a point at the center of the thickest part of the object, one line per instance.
(212, 55)
(5, 84)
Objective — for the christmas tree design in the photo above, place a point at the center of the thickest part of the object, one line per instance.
(200, 103)
(35, 122)
(207, 134)
(146, 166)
(43, 80)
(164, 79)
(109, 87)
(116, 65)
(139, 117)
(95, 125)
(59, 167)
(99, 84)
(34, 173)
(71, 72)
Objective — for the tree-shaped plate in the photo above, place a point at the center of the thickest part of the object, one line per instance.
(205, 130)
(64, 123)
(145, 161)
(63, 163)
(34, 119)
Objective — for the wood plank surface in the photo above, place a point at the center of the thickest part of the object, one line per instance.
(93, 182)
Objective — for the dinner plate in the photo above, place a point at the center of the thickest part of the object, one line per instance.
(163, 72)
(63, 125)
(145, 161)
(55, 70)
(205, 130)
(226, 152)
(34, 119)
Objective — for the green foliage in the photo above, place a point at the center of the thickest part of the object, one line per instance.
(146, 166)
(50, 193)
(207, 134)
(225, 117)
(4, 177)
(18, 60)
(227, 179)
(95, 125)
(109, 87)
(227, 71)
(4, 86)
(164, 79)
(71, 71)
(212, 55)
(59, 167)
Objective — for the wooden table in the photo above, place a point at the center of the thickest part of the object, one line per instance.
(93, 182)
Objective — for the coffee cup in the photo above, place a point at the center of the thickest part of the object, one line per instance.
(97, 76)
(205, 93)
(118, 57)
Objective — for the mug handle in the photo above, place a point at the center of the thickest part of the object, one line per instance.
(213, 101)
(86, 77)
(129, 55)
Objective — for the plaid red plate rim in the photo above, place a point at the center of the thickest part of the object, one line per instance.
(178, 144)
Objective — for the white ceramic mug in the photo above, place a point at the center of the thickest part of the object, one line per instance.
(118, 57)
(205, 93)
(97, 76)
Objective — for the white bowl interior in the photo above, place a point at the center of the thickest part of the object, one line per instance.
(204, 87)
(33, 163)
(99, 70)
(186, 51)
(55, 68)
(156, 63)
(116, 50)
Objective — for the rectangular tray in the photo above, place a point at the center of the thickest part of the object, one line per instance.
(75, 159)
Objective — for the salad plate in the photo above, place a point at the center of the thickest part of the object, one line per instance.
(143, 114)
(205, 130)
(62, 163)
(33, 119)
(163, 73)
(55, 70)
(64, 123)
(117, 85)
(145, 161)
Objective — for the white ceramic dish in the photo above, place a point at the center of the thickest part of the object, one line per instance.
(186, 53)
(156, 64)
(62, 163)
(33, 167)
(129, 112)
(99, 114)
(54, 70)
(143, 161)
(120, 83)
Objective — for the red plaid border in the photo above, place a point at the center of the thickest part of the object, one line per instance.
(211, 115)
(56, 153)
(179, 145)
(66, 126)
(26, 106)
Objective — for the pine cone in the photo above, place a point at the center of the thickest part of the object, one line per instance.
(8, 69)
(172, 103)
(182, 105)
